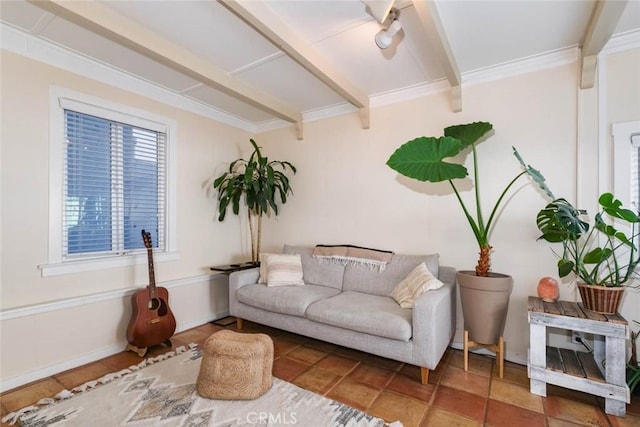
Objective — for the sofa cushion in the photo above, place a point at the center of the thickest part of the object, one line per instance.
(292, 300)
(362, 279)
(284, 270)
(315, 271)
(371, 314)
(419, 281)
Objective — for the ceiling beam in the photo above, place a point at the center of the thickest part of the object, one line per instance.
(435, 34)
(258, 15)
(134, 36)
(604, 20)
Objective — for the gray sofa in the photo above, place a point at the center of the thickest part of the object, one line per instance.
(349, 305)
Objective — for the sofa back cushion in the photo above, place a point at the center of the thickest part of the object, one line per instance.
(361, 278)
(316, 272)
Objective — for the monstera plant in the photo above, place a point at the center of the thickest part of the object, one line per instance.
(603, 257)
(261, 183)
(599, 255)
(425, 159)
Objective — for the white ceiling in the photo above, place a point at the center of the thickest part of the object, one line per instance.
(198, 47)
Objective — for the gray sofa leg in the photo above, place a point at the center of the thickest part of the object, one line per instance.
(424, 374)
(238, 323)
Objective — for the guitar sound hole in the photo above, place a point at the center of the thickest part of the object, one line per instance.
(159, 305)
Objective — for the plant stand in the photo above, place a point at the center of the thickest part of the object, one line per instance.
(601, 373)
(498, 349)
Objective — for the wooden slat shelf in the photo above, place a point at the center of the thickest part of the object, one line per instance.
(572, 309)
(554, 360)
(590, 367)
(575, 363)
(601, 373)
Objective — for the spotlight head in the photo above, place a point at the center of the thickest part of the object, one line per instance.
(384, 38)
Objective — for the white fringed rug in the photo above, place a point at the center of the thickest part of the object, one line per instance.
(161, 392)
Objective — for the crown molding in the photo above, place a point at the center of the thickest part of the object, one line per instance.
(621, 42)
(408, 93)
(27, 45)
(309, 116)
(524, 65)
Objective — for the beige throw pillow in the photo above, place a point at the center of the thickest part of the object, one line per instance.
(419, 281)
(284, 270)
(262, 257)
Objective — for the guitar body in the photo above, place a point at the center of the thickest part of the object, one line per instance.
(152, 322)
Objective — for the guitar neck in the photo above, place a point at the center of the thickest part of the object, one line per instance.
(152, 277)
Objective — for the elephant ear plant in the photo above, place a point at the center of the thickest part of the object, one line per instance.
(424, 159)
(261, 182)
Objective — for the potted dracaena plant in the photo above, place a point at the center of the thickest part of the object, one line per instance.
(484, 294)
(603, 256)
(260, 183)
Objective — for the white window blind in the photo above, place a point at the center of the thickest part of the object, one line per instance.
(114, 186)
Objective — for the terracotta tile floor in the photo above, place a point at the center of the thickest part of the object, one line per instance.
(382, 387)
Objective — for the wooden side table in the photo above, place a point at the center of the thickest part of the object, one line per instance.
(601, 373)
(230, 268)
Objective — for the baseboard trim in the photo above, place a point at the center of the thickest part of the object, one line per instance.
(38, 374)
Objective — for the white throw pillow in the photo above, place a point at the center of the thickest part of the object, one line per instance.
(419, 281)
(262, 257)
(284, 270)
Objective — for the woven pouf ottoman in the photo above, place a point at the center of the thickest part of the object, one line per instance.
(235, 366)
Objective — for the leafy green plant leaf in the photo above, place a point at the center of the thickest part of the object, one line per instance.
(535, 175)
(597, 255)
(565, 267)
(423, 159)
(469, 133)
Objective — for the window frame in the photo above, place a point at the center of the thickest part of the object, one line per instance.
(622, 134)
(622, 146)
(61, 99)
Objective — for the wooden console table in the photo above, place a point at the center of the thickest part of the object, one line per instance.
(601, 373)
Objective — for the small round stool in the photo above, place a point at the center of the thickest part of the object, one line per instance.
(235, 366)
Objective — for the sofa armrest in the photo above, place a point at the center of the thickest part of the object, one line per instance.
(434, 319)
(447, 274)
(237, 280)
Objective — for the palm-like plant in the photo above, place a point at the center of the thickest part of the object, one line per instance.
(424, 159)
(261, 182)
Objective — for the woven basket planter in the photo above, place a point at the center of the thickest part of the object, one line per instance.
(601, 299)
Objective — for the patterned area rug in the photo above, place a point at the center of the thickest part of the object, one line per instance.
(162, 392)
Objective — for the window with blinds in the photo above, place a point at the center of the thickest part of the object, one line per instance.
(114, 186)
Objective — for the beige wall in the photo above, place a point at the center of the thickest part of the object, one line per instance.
(344, 192)
(63, 329)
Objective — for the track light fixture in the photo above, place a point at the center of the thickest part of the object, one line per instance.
(383, 11)
(384, 38)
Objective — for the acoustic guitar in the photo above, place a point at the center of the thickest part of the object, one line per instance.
(152, 322)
